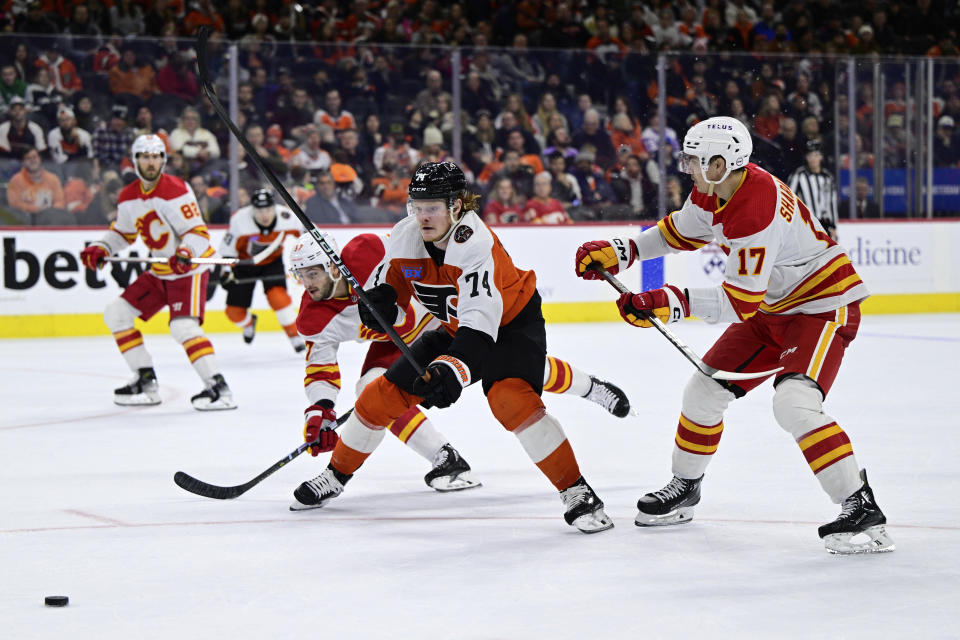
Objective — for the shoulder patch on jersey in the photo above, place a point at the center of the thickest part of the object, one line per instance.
(756, 205)
(462, 234)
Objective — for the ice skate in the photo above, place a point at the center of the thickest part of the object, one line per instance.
(584, 510)
(250, 331)
(297, 343)
(450, 472)
(142, 390)
(216, 397)
(860, 526)
(671, 505)
(609, 396)
(315, 493)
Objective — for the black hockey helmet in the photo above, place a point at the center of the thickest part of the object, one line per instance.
(261, 198)
(437, 181)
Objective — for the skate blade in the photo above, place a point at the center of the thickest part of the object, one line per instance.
(870, 540)
(593, 522)
(297, 506)
(461, 482)
(139, 400)
(678, 516)
(219, 405)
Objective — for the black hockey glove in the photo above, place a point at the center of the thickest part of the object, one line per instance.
(383, 297)
(448, 377)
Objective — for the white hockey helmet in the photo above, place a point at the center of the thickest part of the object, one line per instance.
(720, 136)
(148, 143)
(307, 252)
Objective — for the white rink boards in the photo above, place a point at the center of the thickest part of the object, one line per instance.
(89, 508)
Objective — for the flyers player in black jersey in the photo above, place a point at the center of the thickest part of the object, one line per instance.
(445, 257)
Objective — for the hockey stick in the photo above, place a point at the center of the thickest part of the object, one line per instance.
(257, 258)
(705, 369)
(251, 280)
(188, 483)
(158, 260)
(202, 35)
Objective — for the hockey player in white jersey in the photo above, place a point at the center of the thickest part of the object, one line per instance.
(256, 228)
(794, 300)
(492, 332)
(329, 316)
(163, 211)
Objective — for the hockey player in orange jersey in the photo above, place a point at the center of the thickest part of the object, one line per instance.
(794, 300)
(255, 228)
(163, 211)
(329, 316)
(446, 258)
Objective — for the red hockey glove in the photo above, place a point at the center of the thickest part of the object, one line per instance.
(669, 304)
(319, 424)
(180, 260)
(92, 257)
(613, 255)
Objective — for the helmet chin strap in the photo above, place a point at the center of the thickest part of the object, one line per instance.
(336, 283)
(712, 184)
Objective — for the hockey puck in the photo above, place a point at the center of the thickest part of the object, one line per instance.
(56, 601)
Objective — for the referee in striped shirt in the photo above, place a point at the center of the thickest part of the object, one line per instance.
(816, 188)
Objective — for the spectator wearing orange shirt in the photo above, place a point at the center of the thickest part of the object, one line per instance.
(626, 133)
(333, 115)
(34, 189)
(130, 78)
(516, 142)
(606, 47)
(273, 142)
(390, 186)
(203, 14)
(62, 71)
(541, 208)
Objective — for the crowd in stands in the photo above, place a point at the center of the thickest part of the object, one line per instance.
(558, 106)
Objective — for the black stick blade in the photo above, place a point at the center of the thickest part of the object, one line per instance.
(188, 483)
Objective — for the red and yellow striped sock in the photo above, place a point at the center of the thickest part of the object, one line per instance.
(698, 439)
(197, 347)
(825, 446)
(128, 339)
(406, 425)
(560, 376)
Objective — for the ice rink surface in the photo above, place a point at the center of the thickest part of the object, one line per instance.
(89, 508)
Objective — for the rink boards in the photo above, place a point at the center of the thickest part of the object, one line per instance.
(909, 267)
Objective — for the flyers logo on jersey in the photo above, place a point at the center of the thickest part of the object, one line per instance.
(462, 234)
(437, 300)
(144, 226)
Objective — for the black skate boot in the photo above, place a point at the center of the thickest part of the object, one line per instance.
(584, 509)
(609, 396)
(671, 505)
(216, 397)
(142, 391)
(859, 514)
(250, 331)
(450, 472)
(315, 493)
